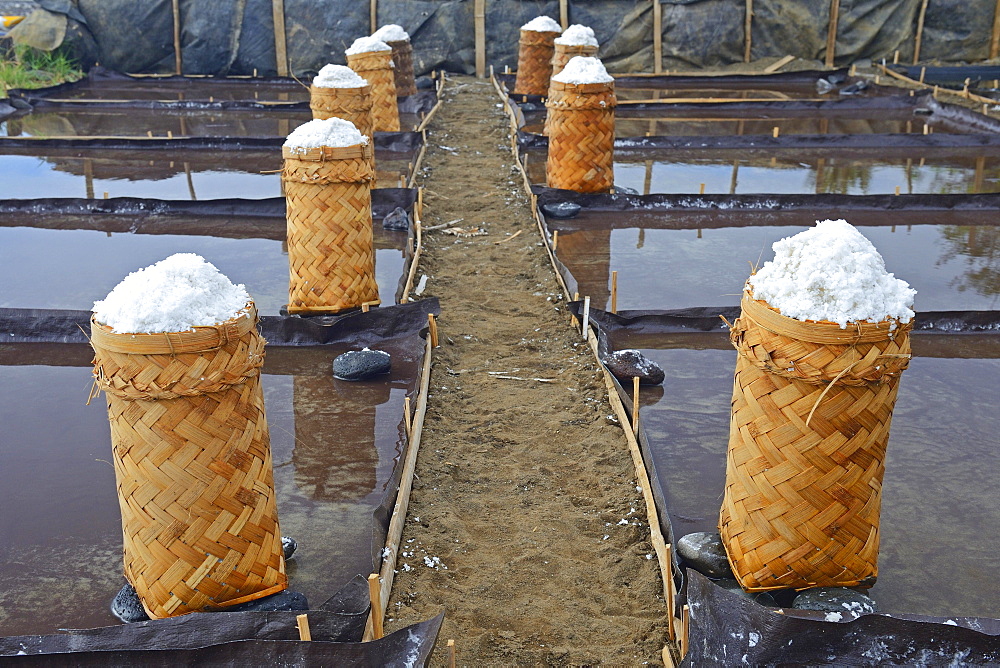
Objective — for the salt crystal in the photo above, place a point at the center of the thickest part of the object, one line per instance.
(832, 272)
(338, 76)
(542, 24)
(367, 45)
(330, 132)
(176, 294)
(391, 33)
(583, 70)
(577, 35)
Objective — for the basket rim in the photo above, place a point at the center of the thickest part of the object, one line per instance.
(329, 153)
(606, 86)
(338, 90)
(201, 338)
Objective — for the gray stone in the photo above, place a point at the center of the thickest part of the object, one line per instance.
(625, 190)
(283, 600)
(361, 364)
(424, 83)
(561, 209)
(761, 597)
(397, 220)
(627, 364)
(703, 551)
(848, 603)
(127, 607)
(288, 546)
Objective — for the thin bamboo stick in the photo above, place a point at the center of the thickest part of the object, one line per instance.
(555, 240)
(586, 317)
(685, 624)
(564, 13)
(919, 37)
(748, 31)
(373, 15)
(280, 44)
(451, 653)
(831, 35)
(995, 39)
(775, 66)
(178, 67)
(480, 30)
(433, 330)
(302, 622)
(657, 37)
(407, 421)
(614, 292)
(635, 405)
(375, 594)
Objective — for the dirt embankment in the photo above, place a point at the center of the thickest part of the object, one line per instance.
(525, 525)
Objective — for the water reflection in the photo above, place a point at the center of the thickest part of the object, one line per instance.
(978, 248)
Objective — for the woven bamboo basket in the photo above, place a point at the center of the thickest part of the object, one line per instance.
(376, 68)
(329, 228)
(192, 460)
(812, 406)
(534, 62)
(562, 55)
(350, 104)
(402, 59)
(581, 126)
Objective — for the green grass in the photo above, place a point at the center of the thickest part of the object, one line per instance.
(32, 68)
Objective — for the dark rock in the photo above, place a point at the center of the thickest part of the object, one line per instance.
(762, 597)
(627, 364)
(397, 220)
(288, 545)
(361, 364)
(531, 106)
(703, 551)
(848, 603)
(625, 190)
(127, 607)
(18, 103)
(561, 209)
(425, 83)
(855, 88)
(283, 600)
(837, 78)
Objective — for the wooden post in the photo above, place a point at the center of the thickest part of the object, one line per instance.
(280, 46)
(451, 653)
(373, 15)
(995, 39)
(563, 16)
(918, 40)
(671, 632)
(701, 189)
(614, 292)
(479, 18)
(555, 240)
(586, 317)
(407, 423)
(685, 622)
(635, 405)
(432, 330)
(831, 34)
(178, 68)
(375, 594)
(657, 37)
(302, 621)
(748, 31)
(775, 132)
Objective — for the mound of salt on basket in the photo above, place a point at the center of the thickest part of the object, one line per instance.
(581, 125)
(823, 338)
(176, 351)
(338, 92)
(534, 56)
(402, 57)
(576, 40)
(371, 58)
(328, 172)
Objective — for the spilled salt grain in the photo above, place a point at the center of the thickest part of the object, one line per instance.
(833, 617)
(174, 295)
(391, 33)
(832, 272)
(583, 70)
(542, 24)
(330, 132)
(577, 35)
(338, 76)
(367, 45)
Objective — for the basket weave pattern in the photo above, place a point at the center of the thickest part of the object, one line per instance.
(329, 229)
(581, 126)
(811, 411)
(534, 62)
(402, 58)
(192, 461)
(350, 104)
(562, 55)
(375, 67)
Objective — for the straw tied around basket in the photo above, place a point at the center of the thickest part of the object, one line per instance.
(192, 461)
(329, 228)
(581, 128)
(376, 68)
(534, 62)
(350, 104)
(811, 411)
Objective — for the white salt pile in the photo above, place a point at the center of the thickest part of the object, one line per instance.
(583, 70)
(174, 295)
(330, 132)
(542, 24)
(338, 76)
(832, 272)
(391, 33)
(577, 35)
(367, 45)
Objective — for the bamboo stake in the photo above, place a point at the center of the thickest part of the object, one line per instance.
(178, 68)
(657, 37)
(748, 31)
(670, 596)
(375, 594)
(302, 621)
(451, 653)
(897, 191)
(775, 132)
(480, 29)
(895, 57)
(586, 317)
(614, 292)
(701, 189)
(407, 421)
(433, 328)
(774, 67)
(635, 405)
(564, 14)
(414, 261)
(555, 240)
(190, 181)
(918, 40)
(831, 35)
(685, 624)
(373, 15)
(280, 45)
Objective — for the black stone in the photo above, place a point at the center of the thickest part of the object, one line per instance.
(288, 546)
(361, 364)
(627, 364)
(837, 78)
(855, 88)
(397, 220)
(561, 209)
(703, 551)
(850, 603)
(127, 607)
(531, 106)
(762, 597)
(425, 83)
(283, 600)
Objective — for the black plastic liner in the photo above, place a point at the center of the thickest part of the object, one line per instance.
(950, 76)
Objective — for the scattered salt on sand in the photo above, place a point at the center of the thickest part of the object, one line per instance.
(583, 70)
(330, 132)
(174, 295)
(832, 272)
(367, 45)
(391, 33)
(542, 24)
(338, 76)
(577, 35)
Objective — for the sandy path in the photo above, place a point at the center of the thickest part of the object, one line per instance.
(525, 491)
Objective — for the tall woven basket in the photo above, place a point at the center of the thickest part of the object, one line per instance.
(402, 59)
(328, 212)
(534, 62)
(812, 406)
(561, 56)
(376, 68)
(350, 104)
(192, 461)
(581, 126)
